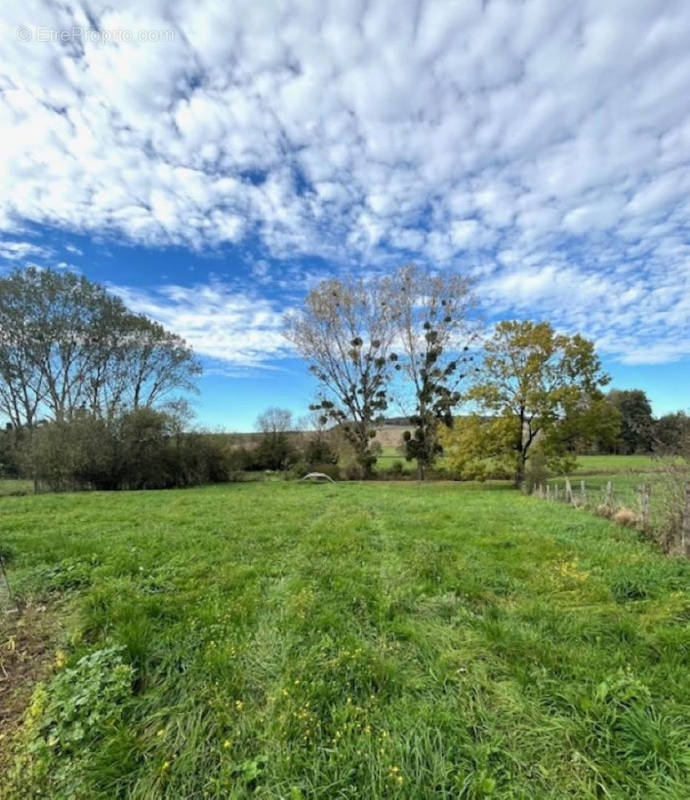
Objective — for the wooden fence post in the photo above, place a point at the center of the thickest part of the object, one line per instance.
(548, 491)
(608, 499)
(569, 497)
(645, 491)
(583, 493)
(10, 597)
(685, 527)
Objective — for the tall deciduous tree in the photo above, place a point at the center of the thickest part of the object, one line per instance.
(345, 332)
(637, 422)
(672, 434)
(532, 380)
(67, 346)
(432, 319)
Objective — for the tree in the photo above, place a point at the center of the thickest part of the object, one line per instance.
(431, 314)
(152, 363)
(275, 449)
(672, 434)
(319, 444)
(67, 346)
(591, 425)
(345, 332)
(637, 422)
(10, 441)
(532, 379)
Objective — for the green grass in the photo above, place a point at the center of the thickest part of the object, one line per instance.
(586, 465)
(664, 477)
(10, 486)
(359, 640)
(612, 463)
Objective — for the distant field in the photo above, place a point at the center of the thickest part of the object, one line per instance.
(281, 640)
(607, 464)
(613, 463)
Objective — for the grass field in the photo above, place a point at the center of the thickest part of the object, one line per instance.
(665, 479)
(10, 486)
(611, 463)
(381, 640)
(586, 465)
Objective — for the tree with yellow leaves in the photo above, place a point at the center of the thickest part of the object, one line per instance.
(535, 385)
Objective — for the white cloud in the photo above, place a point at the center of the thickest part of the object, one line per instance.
(555, 134)
(22, 251)
(218, 321)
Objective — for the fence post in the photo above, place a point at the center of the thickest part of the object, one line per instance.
(569, 497)
(11, 599)
(555, 491)
(583, 493)
(608, 499)
(645, 491)
(548, 491)
(685, 528)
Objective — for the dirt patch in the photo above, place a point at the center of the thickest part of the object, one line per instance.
(27, 645)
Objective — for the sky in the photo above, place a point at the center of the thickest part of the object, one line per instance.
(211, 161)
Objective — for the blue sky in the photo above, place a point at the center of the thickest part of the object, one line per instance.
(211, 161)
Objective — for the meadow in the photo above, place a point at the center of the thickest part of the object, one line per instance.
(283, 640)
(11, 486)
(586, 464)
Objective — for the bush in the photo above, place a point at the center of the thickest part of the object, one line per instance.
(354, 472)
(302, 468)
(536, 472)
(332, 470)
(78, 454)
(318, 450)
(626, 516)
(9, 452)
(142, 449)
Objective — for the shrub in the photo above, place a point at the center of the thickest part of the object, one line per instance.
(332, 470)
(354, 472)
(536, 472)
(71, 455)
(318, 450)
(626, 516)
(9, 452)
(142, 449)
(604, 510)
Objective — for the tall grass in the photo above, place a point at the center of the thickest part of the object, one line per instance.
(376, 640)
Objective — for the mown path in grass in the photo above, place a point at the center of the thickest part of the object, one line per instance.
(285, 640)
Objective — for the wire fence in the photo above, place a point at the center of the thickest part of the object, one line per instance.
(660, 508)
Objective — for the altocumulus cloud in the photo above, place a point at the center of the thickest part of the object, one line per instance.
(545, 145)
(218, 321)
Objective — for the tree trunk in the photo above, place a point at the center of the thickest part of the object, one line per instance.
(520, 472)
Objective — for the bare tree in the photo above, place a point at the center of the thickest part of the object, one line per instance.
(274, 420)
(345, 332)
(433, 319)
